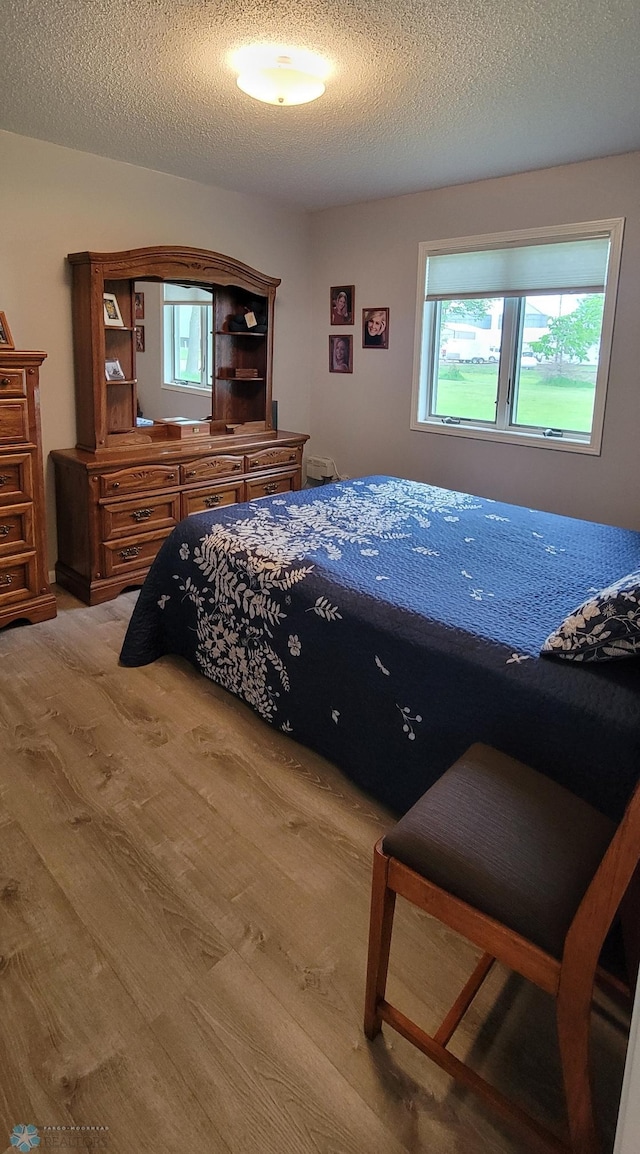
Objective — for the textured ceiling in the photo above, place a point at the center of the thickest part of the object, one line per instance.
(424, 93)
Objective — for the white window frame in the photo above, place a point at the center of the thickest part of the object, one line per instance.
(175, 385)
(425, 351)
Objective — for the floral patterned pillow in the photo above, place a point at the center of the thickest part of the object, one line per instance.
(605, 627)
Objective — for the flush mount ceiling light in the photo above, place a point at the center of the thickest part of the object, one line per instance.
(280, 75)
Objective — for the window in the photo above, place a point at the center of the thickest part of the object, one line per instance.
(188, 340)
(513, 335)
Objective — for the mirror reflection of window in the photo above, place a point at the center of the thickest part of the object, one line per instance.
(188, 337)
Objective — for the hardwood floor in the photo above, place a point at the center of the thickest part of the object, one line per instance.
(184, 900)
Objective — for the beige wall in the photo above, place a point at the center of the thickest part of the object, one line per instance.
(362, 421)
(54, 201)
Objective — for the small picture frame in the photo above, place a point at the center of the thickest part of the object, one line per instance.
(375, 328)
(342, 302)
(341, 353)
(6, 340)
(139, 306)
(140, 338)
(112, 315)
(113, 371)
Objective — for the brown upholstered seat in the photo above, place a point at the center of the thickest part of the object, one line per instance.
(508, 841)
(532, 875)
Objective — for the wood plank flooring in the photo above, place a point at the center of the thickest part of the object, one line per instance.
(184, 899)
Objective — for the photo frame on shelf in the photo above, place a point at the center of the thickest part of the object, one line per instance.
(140, 338)
(112, 315)
(342, 304)
(375, 328)
(341, 353)
(139, 306)
(6, 340)
(113, 371)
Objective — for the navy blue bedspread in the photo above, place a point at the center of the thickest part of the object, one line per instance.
(389, 624)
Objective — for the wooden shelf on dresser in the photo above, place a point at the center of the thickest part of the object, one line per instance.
(24, 588)
(115, 508)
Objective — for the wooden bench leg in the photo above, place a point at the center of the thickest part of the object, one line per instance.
(383, 902)
(573, 1008)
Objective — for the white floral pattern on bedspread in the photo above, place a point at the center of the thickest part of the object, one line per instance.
(249, 567)
(388, 624)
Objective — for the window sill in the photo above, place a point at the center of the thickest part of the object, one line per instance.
(194, 389)
(510, 437)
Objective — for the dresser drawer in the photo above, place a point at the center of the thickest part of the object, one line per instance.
(130, 554)
(140, 480)
(122, 518)
(209, 467)
(14, 422)
(13, 383)
(16, 478)
(267, 486)
(202, 500)
(16, 528)
(269, 458)
(17, 578)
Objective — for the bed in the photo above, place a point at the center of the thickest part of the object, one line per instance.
(388, 624)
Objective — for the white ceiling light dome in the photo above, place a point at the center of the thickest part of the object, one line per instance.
(280, 75)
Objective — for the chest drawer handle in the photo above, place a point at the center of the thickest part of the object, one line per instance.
(5, 381)
(115, 484)
(211, 501)
(4, 477)
(129, 553)
(191, 472)
(171, 476)
(6, 579)
(272, 488)
(5, 530)
(141, 514)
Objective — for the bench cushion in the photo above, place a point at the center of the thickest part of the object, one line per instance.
(508, 841)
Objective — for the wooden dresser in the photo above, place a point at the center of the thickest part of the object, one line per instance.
(24, 588)
(115, 510)
(124, 487)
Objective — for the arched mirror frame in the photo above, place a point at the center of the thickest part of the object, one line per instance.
(106, 410)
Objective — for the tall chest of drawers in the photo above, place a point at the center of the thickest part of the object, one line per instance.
(24, 589)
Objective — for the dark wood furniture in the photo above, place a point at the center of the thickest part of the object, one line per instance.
(122, 489)
(533, 876)
(24, 588)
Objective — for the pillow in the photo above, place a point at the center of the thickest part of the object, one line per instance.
(605, 627)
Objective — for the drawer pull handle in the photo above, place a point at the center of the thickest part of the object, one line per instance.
(5, 381)
(5, 530)
(141, 514)
(129, 553)
(6, 579)
(211, 501)
(191, 472)
(115, 484)
(171, 476)
(272, 487)
(4, 477)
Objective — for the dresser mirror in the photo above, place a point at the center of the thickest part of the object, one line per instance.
(190, 336)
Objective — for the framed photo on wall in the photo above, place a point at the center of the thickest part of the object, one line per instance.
(112, 315)
(341, 354)
(342, 304)
(6, 340)
(139, 306)
(375, 328)
(140, 338)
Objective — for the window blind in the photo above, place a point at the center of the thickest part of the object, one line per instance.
(522, 270)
